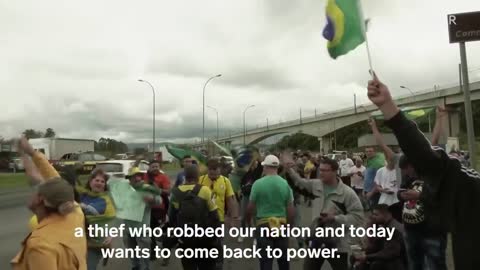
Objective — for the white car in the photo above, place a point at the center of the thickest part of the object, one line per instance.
(17, 164)
(119, 168)
(336, 157)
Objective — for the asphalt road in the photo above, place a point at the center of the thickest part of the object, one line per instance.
(12, 232)
(14, 229)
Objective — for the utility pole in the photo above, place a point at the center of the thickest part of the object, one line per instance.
(460, 77)
(300, 115)
(355, 102)
(468, 105)
(153, 129)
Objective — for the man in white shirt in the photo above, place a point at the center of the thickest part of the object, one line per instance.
(345, 165)
(356, 177)
(387, 184)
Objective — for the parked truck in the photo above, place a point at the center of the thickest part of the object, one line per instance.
(55, 148)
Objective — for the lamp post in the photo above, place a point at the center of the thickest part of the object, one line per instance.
(153, 92)
(244, 123)
(204, 86)
(217, 117)
(410, 90)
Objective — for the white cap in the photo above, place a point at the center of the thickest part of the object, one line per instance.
(271, 161)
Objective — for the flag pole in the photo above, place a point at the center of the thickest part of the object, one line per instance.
(364, 31)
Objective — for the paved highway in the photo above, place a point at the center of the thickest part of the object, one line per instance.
(14, 229)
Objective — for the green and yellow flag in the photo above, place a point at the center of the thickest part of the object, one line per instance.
(411, 113)
(344, 30)
(179, 153)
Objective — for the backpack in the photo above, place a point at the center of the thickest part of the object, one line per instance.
(191, 208)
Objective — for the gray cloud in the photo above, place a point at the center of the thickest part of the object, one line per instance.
(74, 67)
(260, 76)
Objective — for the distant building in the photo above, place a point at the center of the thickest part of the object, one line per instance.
(165, 154)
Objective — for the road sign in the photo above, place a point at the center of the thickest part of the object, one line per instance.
(463, 27)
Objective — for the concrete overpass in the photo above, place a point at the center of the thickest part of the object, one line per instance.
(323, 125)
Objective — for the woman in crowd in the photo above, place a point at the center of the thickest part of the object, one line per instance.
(98, 208)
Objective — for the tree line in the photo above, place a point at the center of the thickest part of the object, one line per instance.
(111, 145)
(35, 134)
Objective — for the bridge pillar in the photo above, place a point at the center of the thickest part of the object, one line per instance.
(325, 144)
(453, 123)
(320, 143)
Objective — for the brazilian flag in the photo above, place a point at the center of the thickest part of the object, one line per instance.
(344, 30)
(411, 113)
(222, 150)
(243, 156)
(179, 153)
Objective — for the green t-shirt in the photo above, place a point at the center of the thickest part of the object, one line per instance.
(376, 162)
(271, 194)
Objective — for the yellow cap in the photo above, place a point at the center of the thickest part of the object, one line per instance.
(134, 170)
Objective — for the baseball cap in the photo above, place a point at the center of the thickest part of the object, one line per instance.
(133, 171)
(271, 161)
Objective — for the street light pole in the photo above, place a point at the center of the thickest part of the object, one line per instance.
(204, 86)
(244, 124)
(153, 92)
(217, 117)
(355, 102)
(468, 106)
(410, 90)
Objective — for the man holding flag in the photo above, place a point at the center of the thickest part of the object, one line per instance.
(451, 192)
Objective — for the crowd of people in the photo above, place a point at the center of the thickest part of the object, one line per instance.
(420, 191)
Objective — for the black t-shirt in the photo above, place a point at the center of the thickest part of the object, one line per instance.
(413, 214)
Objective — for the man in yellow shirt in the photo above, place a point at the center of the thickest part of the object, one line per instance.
(307, 172)
(223, 196)
(309, 165)
(52, 244)
(222, 191)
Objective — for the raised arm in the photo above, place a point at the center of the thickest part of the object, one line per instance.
(413, 143)
(439, 124)
(43, 167)
(379, 139)
(301, 182)
(289, 164)
(31, 170)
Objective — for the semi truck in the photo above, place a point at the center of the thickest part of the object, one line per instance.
(55, 148)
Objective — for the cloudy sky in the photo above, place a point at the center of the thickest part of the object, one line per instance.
(73, 65)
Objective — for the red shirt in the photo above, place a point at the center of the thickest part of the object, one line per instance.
(161, 181)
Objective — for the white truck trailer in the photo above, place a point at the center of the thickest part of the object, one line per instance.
(55, 148)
